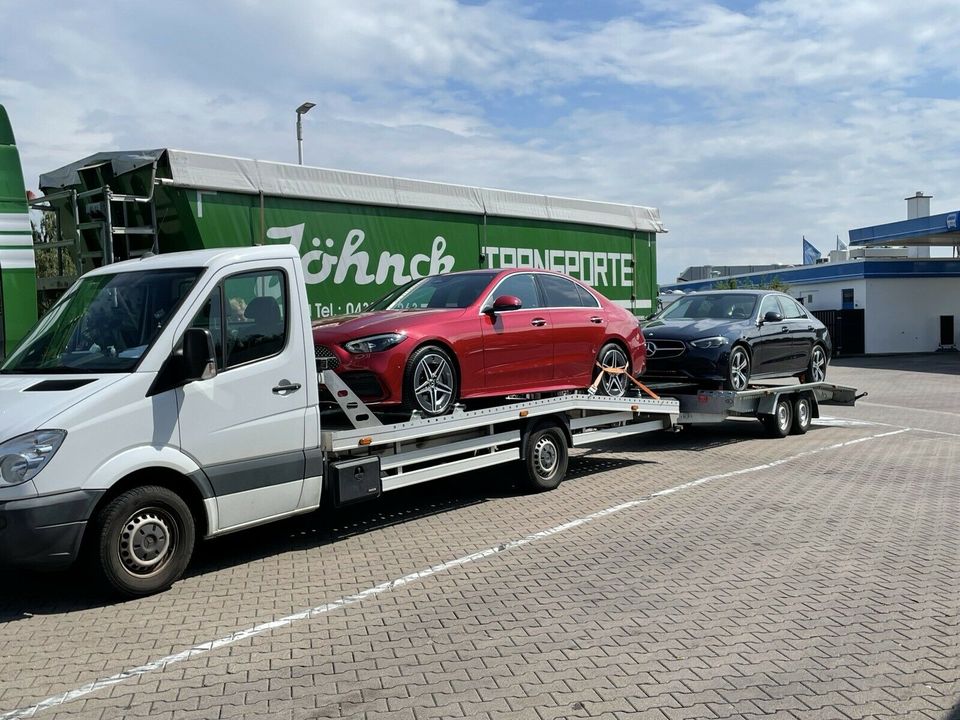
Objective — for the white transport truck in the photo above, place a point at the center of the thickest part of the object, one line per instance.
(148, 410)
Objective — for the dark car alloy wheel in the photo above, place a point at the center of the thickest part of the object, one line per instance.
(817, 368)
(738, 370)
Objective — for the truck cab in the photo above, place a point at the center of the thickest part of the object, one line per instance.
(159, 400)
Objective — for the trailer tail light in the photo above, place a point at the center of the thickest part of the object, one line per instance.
(366, 441)
(524, 413)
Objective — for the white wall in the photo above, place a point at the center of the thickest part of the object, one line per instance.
(903, 315)
(827, 295)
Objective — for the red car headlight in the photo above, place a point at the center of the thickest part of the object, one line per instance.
(374, 343)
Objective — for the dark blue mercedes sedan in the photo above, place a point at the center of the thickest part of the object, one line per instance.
(734, 336)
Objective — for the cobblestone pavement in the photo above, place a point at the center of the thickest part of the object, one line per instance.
(816, 576)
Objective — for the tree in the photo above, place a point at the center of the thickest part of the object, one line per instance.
(774, 283)
(51, 262)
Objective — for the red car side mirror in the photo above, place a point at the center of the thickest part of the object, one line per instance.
(506, 302)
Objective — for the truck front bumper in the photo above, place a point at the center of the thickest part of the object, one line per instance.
(45, 531)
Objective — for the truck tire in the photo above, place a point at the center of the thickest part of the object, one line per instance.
(431, 383)
(546, 458)
(612, 355)
(802, 415)
(780, 423)
(144, 540)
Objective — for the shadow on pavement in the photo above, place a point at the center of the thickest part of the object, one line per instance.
(26, 593)
(938, 363)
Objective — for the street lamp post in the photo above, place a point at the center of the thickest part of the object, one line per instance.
(301, 111)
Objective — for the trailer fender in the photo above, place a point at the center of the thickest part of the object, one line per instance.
(768, 404)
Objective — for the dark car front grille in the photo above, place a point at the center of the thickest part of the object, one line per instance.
(664, 349)
(322, 352)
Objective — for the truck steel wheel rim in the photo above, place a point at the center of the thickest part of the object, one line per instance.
(803, 413)
(818, 364)
(433, 383)
(545, 456)
(147, 542)
(739, 364)
(614, 385)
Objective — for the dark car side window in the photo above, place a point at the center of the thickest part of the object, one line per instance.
(560, 292)
(770, 303)
(789, 309)
(522, 286)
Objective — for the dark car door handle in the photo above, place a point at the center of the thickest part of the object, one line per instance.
(784, 329)
(285, 388)
(539, 322)
(596, 320)
(810, 328)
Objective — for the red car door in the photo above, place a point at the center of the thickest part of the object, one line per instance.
(517, 348)
(579, 326)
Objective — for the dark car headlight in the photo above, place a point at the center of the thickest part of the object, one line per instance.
(710, 342)
(374, 343)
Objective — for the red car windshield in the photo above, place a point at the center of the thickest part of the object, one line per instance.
(437, 291)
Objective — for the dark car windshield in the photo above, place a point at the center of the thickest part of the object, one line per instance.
(732, 306)
(437, 291)
(105, 323)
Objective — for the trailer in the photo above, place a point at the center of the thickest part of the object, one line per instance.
(781, 409)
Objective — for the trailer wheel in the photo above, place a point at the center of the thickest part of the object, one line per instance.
(802, 416)
(144, 540)
(546, 459)
(779, 424)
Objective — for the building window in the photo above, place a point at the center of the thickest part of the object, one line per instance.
(846, 299)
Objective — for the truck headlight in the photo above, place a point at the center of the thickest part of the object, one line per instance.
(374, 343)
(25, 455)
(710, 342)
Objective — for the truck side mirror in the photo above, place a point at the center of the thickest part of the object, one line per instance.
(196, 359)
(199, 355)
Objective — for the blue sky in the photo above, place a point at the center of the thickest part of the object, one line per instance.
(748, 124)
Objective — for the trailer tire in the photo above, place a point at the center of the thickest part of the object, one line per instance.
(546, 458)
(144, 540)
(802, 415)
(780, 423)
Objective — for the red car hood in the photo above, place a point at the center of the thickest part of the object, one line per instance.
(382, 321)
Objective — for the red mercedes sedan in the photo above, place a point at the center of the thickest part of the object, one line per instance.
(481, 333)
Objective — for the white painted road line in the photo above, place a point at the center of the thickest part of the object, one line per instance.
(211, 645)
(909, 409)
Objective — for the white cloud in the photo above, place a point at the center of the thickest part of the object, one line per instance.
(748, 129)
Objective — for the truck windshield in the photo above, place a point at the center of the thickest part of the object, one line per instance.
(105, 323)
(732, 306)
(437, 291)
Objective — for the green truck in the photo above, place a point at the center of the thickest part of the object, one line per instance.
(359, 235)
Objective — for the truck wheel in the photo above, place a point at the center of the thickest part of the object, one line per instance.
(817, 366)
(778, 425)
(738, 369)
(430, 382)
(802, 416)
(145, 537)
(612, 355)
(547, 458)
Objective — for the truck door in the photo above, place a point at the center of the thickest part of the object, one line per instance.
(246, 426)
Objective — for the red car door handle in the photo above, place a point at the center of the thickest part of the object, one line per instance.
(596, 320)
(539, 322)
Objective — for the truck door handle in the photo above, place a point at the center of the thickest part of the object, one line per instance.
(538, 322)
(596, 320)
(285, 388)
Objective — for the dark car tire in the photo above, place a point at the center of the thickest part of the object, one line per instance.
(816, 366)
(431, 381)
(738, 369)
(143, 540)
(780, 423)
(546, 458)
(802, 415)
(612, 355)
